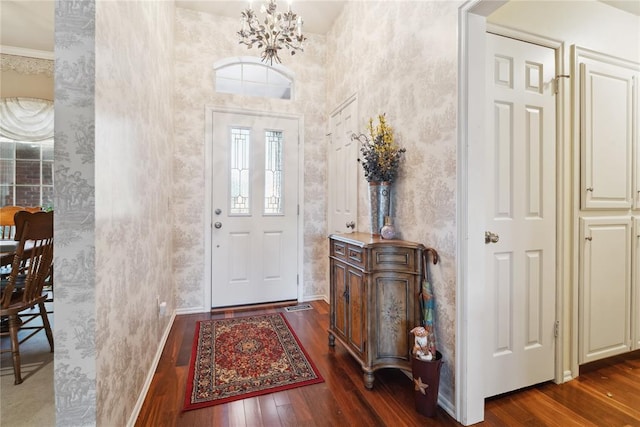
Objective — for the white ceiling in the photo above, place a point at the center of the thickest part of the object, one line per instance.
(27, 24)
(38, 16)
(317, 15)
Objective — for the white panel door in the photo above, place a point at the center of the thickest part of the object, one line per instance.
(606, 135)
(635, 284)
(343, 169)
(605, 287)
(255, 209)
(521, 215)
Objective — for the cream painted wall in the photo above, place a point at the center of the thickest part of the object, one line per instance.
(595, 26)
(13, 84)
(26, 77)
(589, 24)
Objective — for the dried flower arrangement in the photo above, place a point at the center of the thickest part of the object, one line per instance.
(380, 153)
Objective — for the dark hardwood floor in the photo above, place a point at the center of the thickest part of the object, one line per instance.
(607, 393)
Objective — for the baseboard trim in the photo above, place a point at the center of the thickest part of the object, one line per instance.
(250, 307)
(568, 376)
(192, 310)
(152, 370)
(446, 404)
(316, 298)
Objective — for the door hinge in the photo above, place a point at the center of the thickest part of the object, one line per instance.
(297, 279)
(556, 82)
(556, 329)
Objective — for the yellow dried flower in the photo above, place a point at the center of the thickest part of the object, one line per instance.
(380, 153)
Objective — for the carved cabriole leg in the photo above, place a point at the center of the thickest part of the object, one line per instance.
(332, 340)
(14, 325)
(368, 379)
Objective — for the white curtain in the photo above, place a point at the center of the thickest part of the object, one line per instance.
(26, 119)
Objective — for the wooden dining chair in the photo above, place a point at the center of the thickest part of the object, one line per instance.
(22, 288)
(7, 224)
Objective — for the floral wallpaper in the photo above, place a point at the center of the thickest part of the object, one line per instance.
(411, 75)
(201, 40)
(134, 127)
(113, 241)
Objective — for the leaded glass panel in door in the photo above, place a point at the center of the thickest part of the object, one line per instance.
(273, 177)
(239, 171)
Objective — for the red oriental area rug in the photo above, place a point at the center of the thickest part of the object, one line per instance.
(238, 358)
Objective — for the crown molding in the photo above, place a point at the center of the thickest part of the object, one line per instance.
(30, 53)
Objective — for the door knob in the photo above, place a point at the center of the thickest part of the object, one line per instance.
(218, 225)
(351, 225)
(218, 211)
(490, 237)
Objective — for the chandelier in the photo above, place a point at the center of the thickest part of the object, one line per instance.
(276, 31)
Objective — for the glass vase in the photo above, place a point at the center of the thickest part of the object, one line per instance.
(388, 231)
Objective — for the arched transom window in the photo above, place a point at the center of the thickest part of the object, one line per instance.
(249, 76)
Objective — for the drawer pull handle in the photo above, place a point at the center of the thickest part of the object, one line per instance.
(589, 238)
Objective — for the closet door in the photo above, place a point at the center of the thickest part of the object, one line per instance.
(606, 135)
(343, 169)
(605, 287)
(636, 284)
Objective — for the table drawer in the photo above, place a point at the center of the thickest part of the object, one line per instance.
(356, 256)
(394, 258)
(350, 254)
(339, 250)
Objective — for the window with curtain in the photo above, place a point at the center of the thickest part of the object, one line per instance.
(26, 152)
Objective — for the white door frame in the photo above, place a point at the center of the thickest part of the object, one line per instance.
(209, 110)
(471, 286)
(330, 205)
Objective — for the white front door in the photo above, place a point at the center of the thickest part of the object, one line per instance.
(521, 214)
(343, 169)
(254, 209)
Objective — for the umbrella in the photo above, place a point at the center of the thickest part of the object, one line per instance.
(427, 301)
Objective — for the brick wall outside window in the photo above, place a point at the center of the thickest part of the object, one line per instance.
(26, 173)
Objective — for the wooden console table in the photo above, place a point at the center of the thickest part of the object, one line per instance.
(374, 288)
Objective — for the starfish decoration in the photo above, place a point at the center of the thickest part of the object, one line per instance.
(420, 385)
